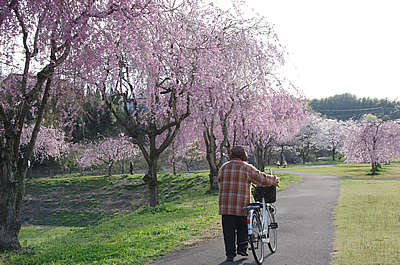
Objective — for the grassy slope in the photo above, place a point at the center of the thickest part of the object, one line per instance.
(104, 220)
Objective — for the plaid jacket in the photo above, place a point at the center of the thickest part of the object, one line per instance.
(235, 178)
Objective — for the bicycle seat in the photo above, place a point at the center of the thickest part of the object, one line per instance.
(253, 205)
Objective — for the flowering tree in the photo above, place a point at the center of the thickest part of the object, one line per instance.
(192, 154)
(273, 123)
(187, 154)
(372, 141)
(151, 68)
(153, 58)
(50, 142)
(238, 70)
(36, 38)
(306, 138)
(332, 135)
(108, 152)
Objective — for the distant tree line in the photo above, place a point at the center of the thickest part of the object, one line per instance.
(347, 106)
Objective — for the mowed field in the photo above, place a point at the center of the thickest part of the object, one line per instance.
(367, 214)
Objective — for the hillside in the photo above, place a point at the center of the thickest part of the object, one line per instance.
(81, 201)
(347, 106)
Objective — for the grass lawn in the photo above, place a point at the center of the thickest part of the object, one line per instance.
(367, 214)
(104, 220)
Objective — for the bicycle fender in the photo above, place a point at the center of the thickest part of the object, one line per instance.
(249, 223)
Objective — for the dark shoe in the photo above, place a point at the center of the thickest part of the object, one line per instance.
(229, 258)
(243, 253)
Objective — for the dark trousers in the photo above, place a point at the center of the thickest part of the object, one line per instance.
(235, 231)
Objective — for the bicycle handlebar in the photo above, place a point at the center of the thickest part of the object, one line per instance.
(270, 172)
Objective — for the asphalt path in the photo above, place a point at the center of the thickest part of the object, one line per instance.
(305, 233)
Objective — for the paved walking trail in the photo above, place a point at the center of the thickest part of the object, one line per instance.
(305, 233)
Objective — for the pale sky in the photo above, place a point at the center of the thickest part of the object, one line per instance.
(338, 46)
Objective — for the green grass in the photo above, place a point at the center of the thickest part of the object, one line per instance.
(80, 200)
(104, 220)
(367, 214)
(131, 239)
(78, 223)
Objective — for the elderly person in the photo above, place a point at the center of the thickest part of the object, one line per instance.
(235, 178)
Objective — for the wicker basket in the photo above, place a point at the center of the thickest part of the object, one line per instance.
(269, 194)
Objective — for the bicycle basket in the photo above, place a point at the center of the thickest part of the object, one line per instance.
(269, 194)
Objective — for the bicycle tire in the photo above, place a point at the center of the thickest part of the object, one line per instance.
(272, 230)
(256, 243)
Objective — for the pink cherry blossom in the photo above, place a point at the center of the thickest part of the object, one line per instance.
(372, 141)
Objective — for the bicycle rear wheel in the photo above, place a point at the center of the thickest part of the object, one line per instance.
(272, 229)
(256, 243)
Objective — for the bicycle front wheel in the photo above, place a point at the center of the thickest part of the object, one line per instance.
(256, 243)
(272, 229)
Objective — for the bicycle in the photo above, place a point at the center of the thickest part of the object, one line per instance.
(262, 227)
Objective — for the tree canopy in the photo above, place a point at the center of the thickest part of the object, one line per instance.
(347, 106)
(158, 66)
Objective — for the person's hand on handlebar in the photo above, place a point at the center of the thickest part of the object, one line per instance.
(277, 180)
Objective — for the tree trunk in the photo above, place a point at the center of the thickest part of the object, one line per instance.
(211, 156)
(282, 158)
(110, 165)
(151, 180)
(174, 165)
(12, 185)
(10, 223)
(375, 166)
(212, 162)
(260, 159)
(333, 153)
(13, 171)
(213, 174)
(304, 152)
(268, 154)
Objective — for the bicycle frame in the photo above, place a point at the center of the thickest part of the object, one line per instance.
(264, 222)
(264, 215)
(261, 221)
